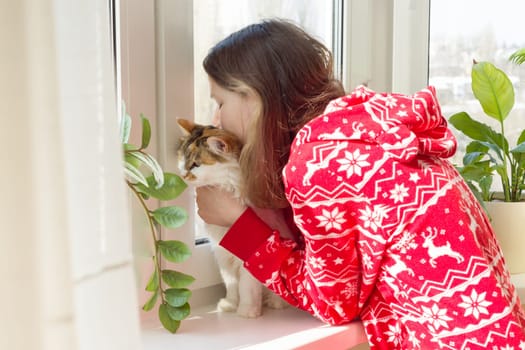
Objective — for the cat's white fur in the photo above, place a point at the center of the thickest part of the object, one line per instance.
(244, 294)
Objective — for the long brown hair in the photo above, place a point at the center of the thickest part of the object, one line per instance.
(292, 73)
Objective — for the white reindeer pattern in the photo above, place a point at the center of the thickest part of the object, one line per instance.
(398, 267)
(312, 165)
(435, 252)
(358, 129)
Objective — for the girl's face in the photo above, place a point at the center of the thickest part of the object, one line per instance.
(235, 111)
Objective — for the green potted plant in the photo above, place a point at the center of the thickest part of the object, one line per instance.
(146, 179)
(489, 156)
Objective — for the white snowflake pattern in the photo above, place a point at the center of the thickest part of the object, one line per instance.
(413, 339)
(475, 304)
(367, 261)
(394, 334)
(336, 105)
(360, 92)
(317, 262)
(424, 165)
(507, 347)
(406, 242)
(436, 316)
(350, 290)
(390, 101)
(373, 218)
(353, 162)
(331, 219)
(401, 113)
(399, 193)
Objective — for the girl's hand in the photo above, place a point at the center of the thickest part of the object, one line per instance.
(217, 206)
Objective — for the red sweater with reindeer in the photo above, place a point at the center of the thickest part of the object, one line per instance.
(391, 233)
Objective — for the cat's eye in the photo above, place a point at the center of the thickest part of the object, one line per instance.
(193, 165)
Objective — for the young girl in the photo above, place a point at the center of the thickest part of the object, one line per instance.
(356, 214)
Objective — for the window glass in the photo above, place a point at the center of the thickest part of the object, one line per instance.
(481, 30)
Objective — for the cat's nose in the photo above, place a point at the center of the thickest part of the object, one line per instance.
(189, 176)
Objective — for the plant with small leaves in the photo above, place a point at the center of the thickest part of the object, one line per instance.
(489, 154)
(145, 178)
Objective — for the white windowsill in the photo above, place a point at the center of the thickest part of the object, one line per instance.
(274, 330)
(285, 329)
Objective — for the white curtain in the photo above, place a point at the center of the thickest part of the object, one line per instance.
(67, 278)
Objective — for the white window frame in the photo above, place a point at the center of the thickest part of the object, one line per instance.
(386, 44)
(175, 99)
(151, 53)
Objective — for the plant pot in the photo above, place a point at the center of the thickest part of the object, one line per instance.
(508, 223)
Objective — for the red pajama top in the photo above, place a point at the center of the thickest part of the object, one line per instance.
(392, 235)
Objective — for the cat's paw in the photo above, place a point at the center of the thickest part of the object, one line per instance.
(273, 301)
(249, 311)
(226, 305)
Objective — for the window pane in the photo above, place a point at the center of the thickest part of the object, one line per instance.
(481, 30)
(214, 20)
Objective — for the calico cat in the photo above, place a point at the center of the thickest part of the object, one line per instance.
(209, 156)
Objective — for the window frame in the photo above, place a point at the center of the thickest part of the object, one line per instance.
(386, 44)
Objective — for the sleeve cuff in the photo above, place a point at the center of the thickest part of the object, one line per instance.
(246, 235)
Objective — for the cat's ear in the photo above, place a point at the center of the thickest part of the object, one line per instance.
(186, 125)
(218, 145)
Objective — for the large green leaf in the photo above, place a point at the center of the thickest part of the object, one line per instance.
(519, 148)
(164, 317)
(172, 187)
(134, 174)
(476, 172)
(521, 138)
(146, 132)
(171, 217)
(473, 157)
(151, 302)
(518, 57)
(476, 146)
(476, 130)
(178, 313)
(493, 89)
(518, 153)
(151, 163)
(125, 124)
(174, 251)
(177, 296)
(485, 184)
(176, 279)
(153, 282)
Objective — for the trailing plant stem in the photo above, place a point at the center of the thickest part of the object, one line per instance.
(505, 176)
(155, 238)
(517, 179)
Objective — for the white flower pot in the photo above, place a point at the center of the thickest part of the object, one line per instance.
(508, 221)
